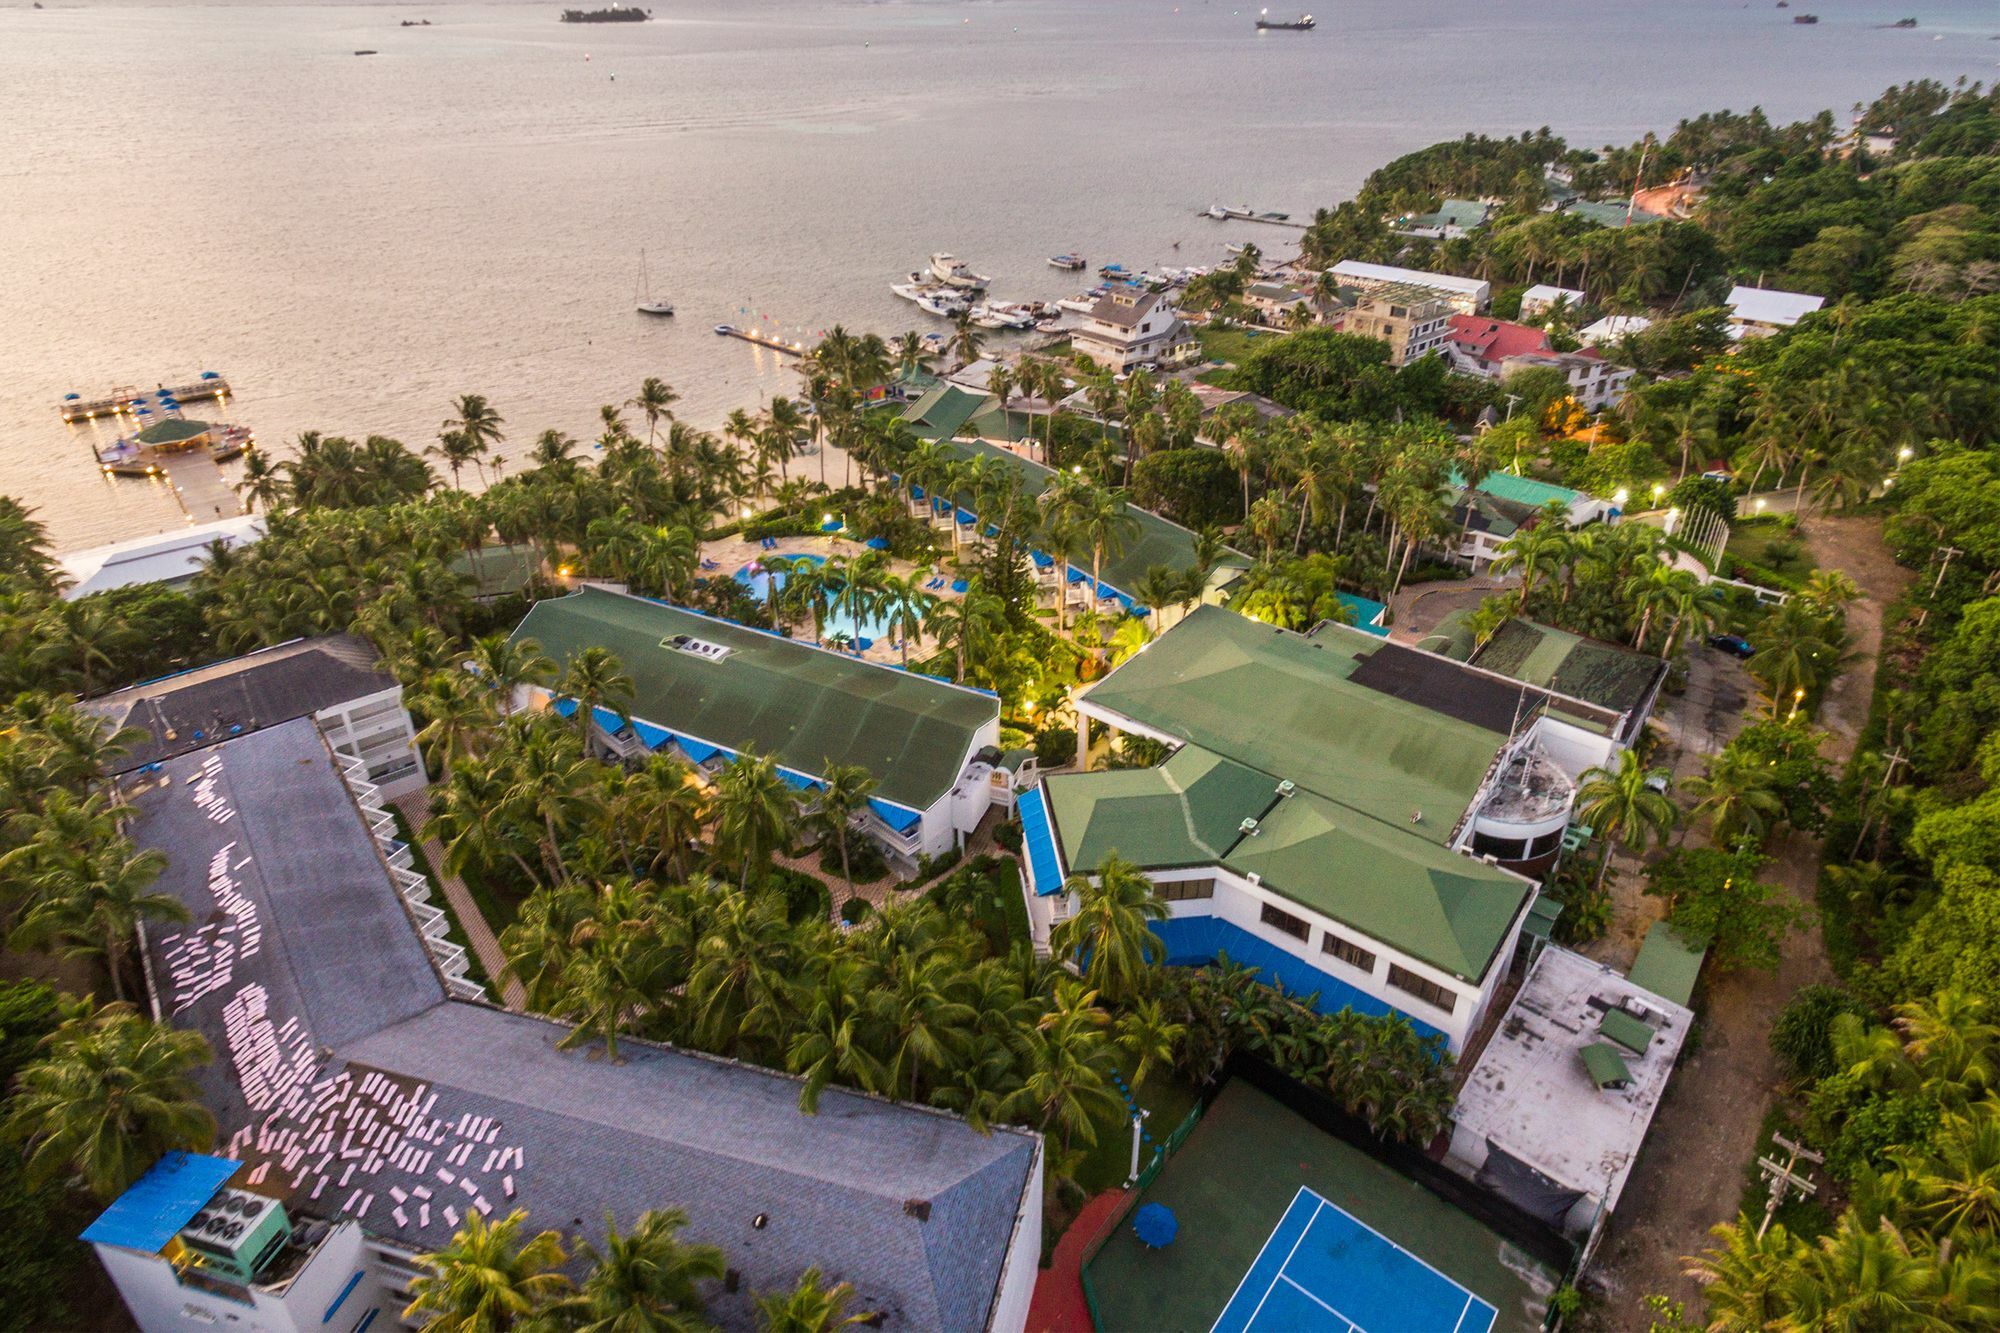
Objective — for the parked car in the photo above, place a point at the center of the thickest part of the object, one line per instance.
(1733, 644)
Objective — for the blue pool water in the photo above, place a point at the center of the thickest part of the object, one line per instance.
(759, 581)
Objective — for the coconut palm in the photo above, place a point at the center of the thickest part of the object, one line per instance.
(1066, 1087)
(455, 449)
(662, 805)
(1108, 937)
(92, 901)
(552, 785)
(966, 341)
(751, 809)
(1148, 1033)
(262, 483)
(1740, 795)
(843, 793)
(476, 420)
(487, 1279)
(1539, 549)
(595, 678)
(109, 1096)
(967, 627)
(740, 995)
(509, 665)
(1620, 806)
(456, 717)
(1799, 651)
(904, 607)
(646, 1280)
(619, 964)
(655, 401)
(811, 1306)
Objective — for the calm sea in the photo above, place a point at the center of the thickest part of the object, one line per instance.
(354, 240)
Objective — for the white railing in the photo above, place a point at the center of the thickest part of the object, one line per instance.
(433, 926)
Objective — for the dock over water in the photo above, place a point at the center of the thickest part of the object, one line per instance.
(127, 400)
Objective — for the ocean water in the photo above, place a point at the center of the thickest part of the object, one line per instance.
(355, 240)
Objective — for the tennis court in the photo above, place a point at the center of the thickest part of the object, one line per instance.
(1324, 1269)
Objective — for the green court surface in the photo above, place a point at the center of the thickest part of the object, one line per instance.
(1231, 1184)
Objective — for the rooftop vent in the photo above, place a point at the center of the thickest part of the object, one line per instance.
(1254, 878)
(1248, 828)
(1287, 787)
(702, 648)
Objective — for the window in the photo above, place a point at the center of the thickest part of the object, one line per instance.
(1181, 891)
(1428, 991)
(1347, 951)
(1286, 922)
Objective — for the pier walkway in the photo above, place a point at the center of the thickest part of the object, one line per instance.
(199, 484)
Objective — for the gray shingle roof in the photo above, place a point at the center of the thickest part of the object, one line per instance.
(305, 933)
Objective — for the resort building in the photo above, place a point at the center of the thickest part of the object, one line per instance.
(1555, 1107)
(708, 690)
(1542, 298)
(365, 1112)
(1467, 296)
(1484, 517)
(1129, 328)
(1611, 328)
(1624, 683)
(1353, 817)
(1273, 302)
(1595, 383)
(1451, 220)
(1481, 346)
(338, 681)
(170, 560)
(1758, 312)
(1413, 321)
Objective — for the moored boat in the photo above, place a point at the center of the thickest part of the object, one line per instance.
(1265, 23)
(1069, 263)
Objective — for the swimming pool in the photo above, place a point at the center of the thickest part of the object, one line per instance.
(759, 581)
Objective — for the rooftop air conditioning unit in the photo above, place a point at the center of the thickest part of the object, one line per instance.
(693, 647)
(236, 1235)
(1248, 828)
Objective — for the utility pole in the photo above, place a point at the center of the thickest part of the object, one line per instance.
(1632, 204)
(1784, 1177)
(1892, 761)
(1512, 399)
(1948, 552)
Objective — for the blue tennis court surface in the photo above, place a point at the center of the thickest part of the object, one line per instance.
(1323, 1271)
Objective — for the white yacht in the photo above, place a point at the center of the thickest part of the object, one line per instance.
(1003, 315)
(940, 301)
(642, 300)
(948, 270)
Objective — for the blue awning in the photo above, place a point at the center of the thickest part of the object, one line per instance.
(696, 751)
(1045, 875)
(966, 518)
(993, 529)
(1042, 559)
(1076, 575)
(916, 492)
(564, 707)
(161, 1202)
(800, 780)
(898, 817)
(607, 719)
(651, 736)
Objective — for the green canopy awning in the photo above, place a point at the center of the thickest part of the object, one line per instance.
(1626, 1030)
(1606, 1066)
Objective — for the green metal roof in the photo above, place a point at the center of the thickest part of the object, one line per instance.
(173, 430)
(1449, 910)
(1282, 704)
(940, 414)
(1667, 964)
(1627, 1031)
(1186, 812)
(1598, 673)
(1520, 490)
(803, 706)
(1606, 1066)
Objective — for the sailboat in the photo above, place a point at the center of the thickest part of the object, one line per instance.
(644, 301)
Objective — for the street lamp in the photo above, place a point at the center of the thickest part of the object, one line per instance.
(1904, 454)
(1620, 496)
(1760, 505)
(1659, 489)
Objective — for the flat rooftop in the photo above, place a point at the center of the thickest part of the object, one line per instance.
(799, 704)
(195, 709)
(1531, 1096)
(1613, 678)
(349, 1085)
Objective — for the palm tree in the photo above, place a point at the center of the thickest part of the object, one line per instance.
(92, 901)
(1739, 793)
(263, 483)
(1621, 806)
(904, 607)
(740, 995)
(967, 626)
(655, 401)
(483, 1280)
(965, 341)
(478, 422)
(1148, 1034)
(554, 786)
(751, 810)
(645, 1281)
(454, 449)
(1066, 1087)
(843, 794)
(597, 679)
(508, 665)
(111, 1095)
(1538, 549)
(1799, 652)
(913, 355)
(456, 717)
(1108, 937)
(809, 1307)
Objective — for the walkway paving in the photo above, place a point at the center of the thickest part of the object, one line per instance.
(1058, 1305)
(416, 808)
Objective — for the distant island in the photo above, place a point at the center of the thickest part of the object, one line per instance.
(615, 14)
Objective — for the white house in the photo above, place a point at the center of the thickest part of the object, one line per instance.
(1757, 312)
(1611, 328)
(1594, 382)
(1127, 329)
(1467, 296)
(1541, 298)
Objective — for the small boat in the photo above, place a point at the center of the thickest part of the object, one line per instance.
(1216, 211)
(368, 53)
(615, 14)
(1904, 23)
(944, 302)
(1805, 18)
(1067, 263)
(1275, 217)
(643, 300)
(1234, 248)
(948, 270)
(724, 330)
(1003, 315)
(1117, 272)
(1265, 23)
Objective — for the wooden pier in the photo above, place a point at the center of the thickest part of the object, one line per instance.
(126, 400)
(1245, 215)
(763, 340)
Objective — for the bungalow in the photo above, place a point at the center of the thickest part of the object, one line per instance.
(1274, 302)
(1502, 504)
(1594, 382)
(708, 690)
(1451, 220)
(1481, 346)
(1542, 298)
(1611, 328)
(1758, 312)
(1356, 819)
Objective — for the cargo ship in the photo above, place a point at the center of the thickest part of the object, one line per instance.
(1265, 23)
(615, 14)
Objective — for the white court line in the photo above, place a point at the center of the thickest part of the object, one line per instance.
(1260, 1253)
(1352, 1327)
(1463, 1313)
(1252, 1320)
(1455, 1283)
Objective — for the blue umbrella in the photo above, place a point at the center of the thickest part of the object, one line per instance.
(877, 544)
(210, 375)
(831, 525)
(72, 397)
(1155, 1225)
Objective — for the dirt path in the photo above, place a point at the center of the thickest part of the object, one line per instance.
(1690, 1174)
